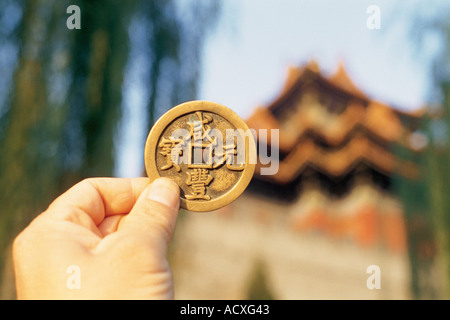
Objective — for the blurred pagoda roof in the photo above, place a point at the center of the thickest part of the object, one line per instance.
(329, 124)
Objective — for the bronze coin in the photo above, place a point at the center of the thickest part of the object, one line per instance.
(207, 149)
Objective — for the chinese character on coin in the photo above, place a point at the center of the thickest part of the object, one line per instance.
(206, 149)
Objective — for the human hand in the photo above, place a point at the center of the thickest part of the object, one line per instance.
(116, 232)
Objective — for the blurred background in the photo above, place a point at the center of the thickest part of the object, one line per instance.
(358, 89)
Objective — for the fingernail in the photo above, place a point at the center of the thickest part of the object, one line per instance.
(165, 191)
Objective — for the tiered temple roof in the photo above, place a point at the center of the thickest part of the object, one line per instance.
(331, 125)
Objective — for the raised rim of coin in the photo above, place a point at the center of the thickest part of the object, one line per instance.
(186, 108)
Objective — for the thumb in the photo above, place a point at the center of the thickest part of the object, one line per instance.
(155, 212)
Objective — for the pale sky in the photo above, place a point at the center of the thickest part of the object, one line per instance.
(246, 58)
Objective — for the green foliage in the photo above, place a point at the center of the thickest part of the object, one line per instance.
(427, 203)
(258, 288)
(61, 90)
(415, 196)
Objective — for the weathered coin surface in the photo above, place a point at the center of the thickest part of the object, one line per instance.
(207, 149)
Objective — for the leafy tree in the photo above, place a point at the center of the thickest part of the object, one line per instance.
(258, 288)
(61, 90)
(427, 201)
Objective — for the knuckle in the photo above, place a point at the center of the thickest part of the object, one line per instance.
(88, 183)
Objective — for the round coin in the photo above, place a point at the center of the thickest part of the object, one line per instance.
(204, 147)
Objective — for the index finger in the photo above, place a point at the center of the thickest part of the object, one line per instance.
(102, 197)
